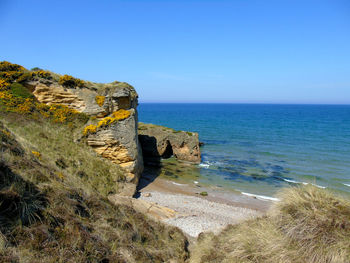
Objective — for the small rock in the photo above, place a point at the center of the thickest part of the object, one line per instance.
(147, 195)
(204, 194)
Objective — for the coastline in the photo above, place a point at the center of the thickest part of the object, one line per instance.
(194, 213)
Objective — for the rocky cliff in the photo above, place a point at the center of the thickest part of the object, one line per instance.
(115, 140)
(160, 142)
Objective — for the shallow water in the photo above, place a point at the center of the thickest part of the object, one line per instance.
(257, 149)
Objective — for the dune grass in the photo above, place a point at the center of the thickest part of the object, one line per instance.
(308, 225)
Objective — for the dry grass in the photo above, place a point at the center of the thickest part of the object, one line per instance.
(308, 225)
(54, 208)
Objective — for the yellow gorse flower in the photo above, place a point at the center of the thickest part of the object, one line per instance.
(100, 100)
(116, 116)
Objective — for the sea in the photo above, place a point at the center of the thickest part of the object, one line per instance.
(258, 149)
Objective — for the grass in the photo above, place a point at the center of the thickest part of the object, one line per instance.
(54, 205)
(307, 225)
(19, 90)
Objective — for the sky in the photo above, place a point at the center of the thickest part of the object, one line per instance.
(241, 51)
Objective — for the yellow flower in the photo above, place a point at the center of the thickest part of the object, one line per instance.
(100, 100)
(36, 154)
(89, 129)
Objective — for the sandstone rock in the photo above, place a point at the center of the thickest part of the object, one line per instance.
(161, 142)
(117, 142)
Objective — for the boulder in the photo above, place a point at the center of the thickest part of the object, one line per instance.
(161, 142)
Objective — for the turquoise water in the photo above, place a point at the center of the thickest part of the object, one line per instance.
(258, 149)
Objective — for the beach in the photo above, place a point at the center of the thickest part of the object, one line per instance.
(195, 213)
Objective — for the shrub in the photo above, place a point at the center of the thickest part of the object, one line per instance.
(42, 74)
(7, 66)
(36, 69)
(4, 85)
(90, 129)
(100, 100)
(116, 116)
(71, 82)
(121, 114)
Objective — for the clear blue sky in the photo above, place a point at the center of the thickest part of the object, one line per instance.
(189, 51)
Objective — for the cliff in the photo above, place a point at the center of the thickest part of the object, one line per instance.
(161, 142)
(114, 138)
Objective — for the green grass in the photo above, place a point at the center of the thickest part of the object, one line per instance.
(307, 225)
(54, 207)
(19, 90)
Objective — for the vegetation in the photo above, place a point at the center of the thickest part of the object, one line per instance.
(19, 90)
(100, 100)
(54, 205)
(54, 190)
(307, 225)
(105, 122)
(70, 82)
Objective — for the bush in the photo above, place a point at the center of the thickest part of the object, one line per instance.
(71, 82)
(7, 66)
(100, 100)
(116, 116)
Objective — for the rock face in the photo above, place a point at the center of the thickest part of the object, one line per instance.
(160, 142)
(118, 141)
(119, 144)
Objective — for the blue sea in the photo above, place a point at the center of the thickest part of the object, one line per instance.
(259, 148)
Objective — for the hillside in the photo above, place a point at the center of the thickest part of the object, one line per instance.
(54, 189)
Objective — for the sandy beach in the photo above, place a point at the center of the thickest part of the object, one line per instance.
(196, 213)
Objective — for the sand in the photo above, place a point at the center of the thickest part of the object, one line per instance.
(196, 213)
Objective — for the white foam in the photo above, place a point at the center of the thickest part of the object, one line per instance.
(304, 183)
(204, 165)
(347, 184)
(291, 181)
(319, 186)
(261, 197)
(196, 182)
(177, 183)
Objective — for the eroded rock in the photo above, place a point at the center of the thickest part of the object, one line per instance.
(118, 141)
(160, 142)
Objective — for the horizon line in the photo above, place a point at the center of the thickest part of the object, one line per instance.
(255, 103)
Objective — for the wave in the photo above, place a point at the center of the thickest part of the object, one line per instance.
(204, 165)
(177, 183)
(291, 181)
(319, 186)
(261, 197)
(347, 184)
(304, 183)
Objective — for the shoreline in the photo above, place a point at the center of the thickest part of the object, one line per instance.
(195, 213)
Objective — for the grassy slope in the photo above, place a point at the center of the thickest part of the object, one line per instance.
(53, 207)
(308, 225)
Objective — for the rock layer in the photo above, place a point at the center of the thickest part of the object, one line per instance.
(117, 142)
(160, 142)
